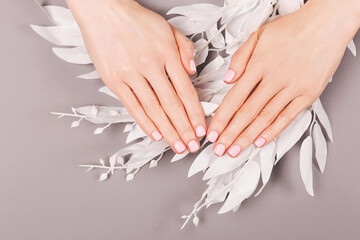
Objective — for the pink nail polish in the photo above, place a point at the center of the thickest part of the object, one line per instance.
(179, 147)
(219, 150)
(229, 75)
(260, 142)
(193, 146)
(212, 136)
(192, 65)
(200, 131)
(157, 136)
(234, 150)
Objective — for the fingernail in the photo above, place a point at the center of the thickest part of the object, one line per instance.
(192, 65)
(219, 150)
(179, 147)
(234, 150)
(157, 136)
(229, 75)
(212, 136)
(200, 131)
(260, 142)
(193, 146)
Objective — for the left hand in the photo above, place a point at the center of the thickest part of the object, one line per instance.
(279, 71)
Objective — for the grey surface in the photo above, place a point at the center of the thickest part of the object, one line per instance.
(44, 195)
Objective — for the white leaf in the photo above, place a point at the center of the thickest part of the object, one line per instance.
(128, 127)
(99, 130)
(306, 164)
(323, 118)
(320, 147)
(288, 6)
(94, 110)
(107, 91)
(177, 157)
(130, 177)
(60, 35)
(213, 66)
(90, 75)
(243, 187)
(218, 40)
(201, 50)
(120, 160)
(184, 216)
(112, 161)
(292, 133)
(195, 12)
(59, 15)
(209, 108)
(196, 221)
(73, 110)
(226, 163)
(203, 160)
(352, 47)
(135, 133)
(76, 55)
(75, 124)
(153, 164)
(103, 177)
(267, 159)
(102, 162)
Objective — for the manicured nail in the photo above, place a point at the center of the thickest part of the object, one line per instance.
(157, 136)
(192, 65)
(234, 150)
(200, 131)
(193, 146)
(229, 75)
(179, 147)
(212, 136)
(260, 142)
(219, 150)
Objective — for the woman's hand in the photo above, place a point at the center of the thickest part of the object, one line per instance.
(136, 52)
(281, 70)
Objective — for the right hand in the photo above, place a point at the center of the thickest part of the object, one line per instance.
(136, 52)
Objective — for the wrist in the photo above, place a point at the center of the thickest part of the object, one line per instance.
(345, 11)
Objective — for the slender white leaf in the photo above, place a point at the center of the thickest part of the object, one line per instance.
(323, 118)
(90, 75)
(352, 47)
(306, 164)
(226, 163)
(320, 147)
(243, 187)
(76, 55)
(60, 35)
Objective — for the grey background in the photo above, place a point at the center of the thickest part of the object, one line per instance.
(44, 195)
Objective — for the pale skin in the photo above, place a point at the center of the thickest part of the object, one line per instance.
(277, 73)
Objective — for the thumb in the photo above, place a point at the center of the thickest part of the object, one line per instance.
(186, 50)
(241, 58)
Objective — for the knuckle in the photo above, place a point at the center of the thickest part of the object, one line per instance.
(187, 132)
(245, 139)
(266, 115)
(286, 117)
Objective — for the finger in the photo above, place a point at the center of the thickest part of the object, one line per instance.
(155, 112)
(240, 59)
(135, 109)
(244, 116)
(188, 96)
(174, 109)
(283, 120)
(186, 51)
(233, 100)
(266, 116)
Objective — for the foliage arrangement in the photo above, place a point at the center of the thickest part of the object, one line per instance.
(218, 29)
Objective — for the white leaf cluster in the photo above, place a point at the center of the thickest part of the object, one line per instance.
(221, 30)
